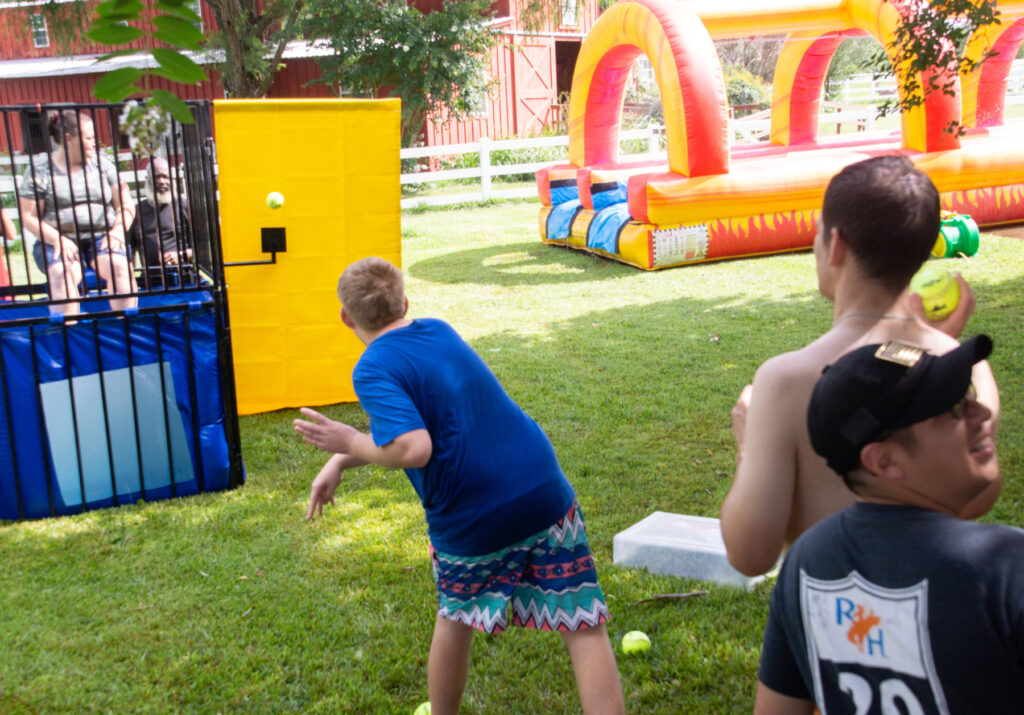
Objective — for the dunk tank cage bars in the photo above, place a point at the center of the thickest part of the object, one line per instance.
(123, 392)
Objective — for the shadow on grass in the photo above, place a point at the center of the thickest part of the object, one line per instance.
(637, 399)
(334, 615)
(517, 264)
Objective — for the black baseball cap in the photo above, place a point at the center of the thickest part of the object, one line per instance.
(878, 388)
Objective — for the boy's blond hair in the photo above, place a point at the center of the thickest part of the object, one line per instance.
(372, 292)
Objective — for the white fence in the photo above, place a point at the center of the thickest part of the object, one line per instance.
(864, 88)
(486, 171)
(752, 128)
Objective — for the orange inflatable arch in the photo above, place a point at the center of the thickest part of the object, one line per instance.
(714, 200)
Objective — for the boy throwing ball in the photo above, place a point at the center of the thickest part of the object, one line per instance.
(504, 525)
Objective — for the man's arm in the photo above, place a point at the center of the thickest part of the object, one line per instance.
(755, 514)
(770, 702)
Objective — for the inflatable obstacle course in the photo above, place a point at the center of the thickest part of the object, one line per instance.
(711, 199)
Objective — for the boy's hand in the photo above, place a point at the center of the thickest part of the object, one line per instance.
(325, 433)
(323, 488)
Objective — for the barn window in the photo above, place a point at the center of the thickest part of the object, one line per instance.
(40, 36)
(477, 100)
(193, 5)
(569, 13)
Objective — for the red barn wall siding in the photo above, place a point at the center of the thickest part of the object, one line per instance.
(78, 89)
(289, 81)
(16, 35)
(524, 102)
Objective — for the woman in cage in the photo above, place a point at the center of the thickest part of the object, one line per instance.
(73, 201)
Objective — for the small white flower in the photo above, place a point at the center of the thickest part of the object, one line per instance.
(145, 125)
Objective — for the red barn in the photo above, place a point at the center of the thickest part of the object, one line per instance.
(533, 70)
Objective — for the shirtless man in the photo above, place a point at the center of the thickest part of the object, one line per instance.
(879, 221)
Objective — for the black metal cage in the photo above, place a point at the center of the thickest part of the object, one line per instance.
(116, 375)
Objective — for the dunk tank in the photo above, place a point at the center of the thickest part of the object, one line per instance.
(710, 198)
(125, 392)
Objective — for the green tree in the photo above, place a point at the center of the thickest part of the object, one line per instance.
(253, 41)
(746, 91)
(854, 56)
(435, 62)
(756, 54)
(932, 35)
(432, 61)
(251, 37)
(172, 23)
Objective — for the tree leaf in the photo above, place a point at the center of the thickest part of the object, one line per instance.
(117, 84)
(120, 9)
(113, 34)
(182, 11)
(178, 32)
(174, 106)
(177, 67)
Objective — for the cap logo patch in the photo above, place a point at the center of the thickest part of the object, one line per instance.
(900, 353)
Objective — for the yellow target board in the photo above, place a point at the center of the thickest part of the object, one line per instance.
(326, 171)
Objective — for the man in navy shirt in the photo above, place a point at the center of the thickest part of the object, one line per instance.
(895, 604)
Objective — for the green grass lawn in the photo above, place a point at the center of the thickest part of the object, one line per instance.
(230, 602)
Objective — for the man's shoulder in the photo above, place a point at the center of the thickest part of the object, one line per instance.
(803, 365)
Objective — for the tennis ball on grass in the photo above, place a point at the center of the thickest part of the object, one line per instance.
(275, 200)
(938, 289)
(635, 642)
(423, 709)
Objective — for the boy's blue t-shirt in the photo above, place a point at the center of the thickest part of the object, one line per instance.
(493, 478)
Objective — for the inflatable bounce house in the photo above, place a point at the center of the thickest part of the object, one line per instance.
(715, 200)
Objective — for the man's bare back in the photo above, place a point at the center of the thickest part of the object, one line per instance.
(878, 223)
(781, 486)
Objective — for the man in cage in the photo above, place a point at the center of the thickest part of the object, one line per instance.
(161, 229)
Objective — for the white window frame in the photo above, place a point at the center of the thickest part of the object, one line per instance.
(40, 33)
(196, 7)
(569, 14)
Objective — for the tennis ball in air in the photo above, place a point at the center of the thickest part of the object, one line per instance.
(275, 200)
(635, 642)
(938, 289)
(423, 709)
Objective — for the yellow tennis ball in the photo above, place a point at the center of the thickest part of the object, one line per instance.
(275, 200)
(423, 709)
(635, 642)
(938, 289)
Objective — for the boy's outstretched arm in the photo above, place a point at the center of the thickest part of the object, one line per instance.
(409, 450)
(327, 480)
